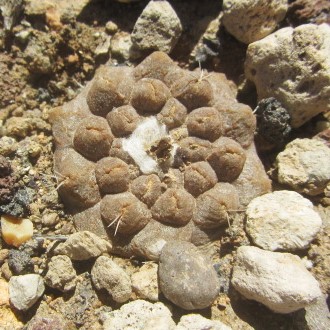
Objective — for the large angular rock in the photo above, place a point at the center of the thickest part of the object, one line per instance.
(282, 220)
(251, 20)
(157, 28)
(293, 65)
(278, 280)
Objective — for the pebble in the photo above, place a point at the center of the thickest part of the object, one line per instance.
(20, 262)
(293, 66)
(304, 166)
(198, 322)
(186, 278)
(4, 292)
(145, 282)
(252, 20)
(282, 220)
(157, 28)
(25, 290)
(8, 145)
(140, 314)
(83, 246)
(278, 280)
(61, 275)
(50, 219)
(106, 274)
(3, 255)
(16, 231)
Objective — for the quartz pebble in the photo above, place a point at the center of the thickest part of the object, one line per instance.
(282, 220)
(25, 290)
(304, 166)
(83, 246)
(145, 282)
(198, 322)
(157, 28)
(140, 314)
(106, 274)
(278, 280)
(61, 275)
(16, 231)
(185, 277)
(293, 66)
(251, 20)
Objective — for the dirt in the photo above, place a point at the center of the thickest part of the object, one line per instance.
(45, 59)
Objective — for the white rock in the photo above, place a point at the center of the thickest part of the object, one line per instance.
(83, 245)
(145, 282)
(61, 275)
(106, 274)
(140, 315)
(278, 280)
(198, 322)
(293, 65)
(282, 220)
(25, 290)
(304, 165)
(157, 28)
(251, 20)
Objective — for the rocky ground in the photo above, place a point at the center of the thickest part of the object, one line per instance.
(49, 50)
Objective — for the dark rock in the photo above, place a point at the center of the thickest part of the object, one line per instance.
(273, 121)
(185, 277)
(7, 181)
(19, 204)
(20, 262)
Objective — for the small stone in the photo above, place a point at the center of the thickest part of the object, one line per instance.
(50, 219)
(3, 255)
(83, 245)
(111, 27)
(278, 280)
(273, 121)
(4, 292)
(20, 262)
(304, 166)
(16, 231)
(25, 290)
(198, 322)
(252, 20)
(6, 272)
(8, 145)
(18, 126)
(61, 275)
(145, 282)
(106, 274)
(186, 278)
(140, 314)
(282, 220)
(157, 28)
(293, 66)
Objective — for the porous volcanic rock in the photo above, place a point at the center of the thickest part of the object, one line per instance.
(293, 66)
(141, 150)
